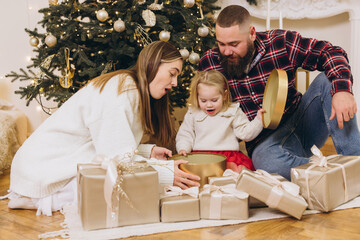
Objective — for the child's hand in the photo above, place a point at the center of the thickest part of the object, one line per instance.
(182, 152)
(260, 113)
(160, 153)
(234, 167)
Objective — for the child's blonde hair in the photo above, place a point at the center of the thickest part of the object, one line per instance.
(211, 78)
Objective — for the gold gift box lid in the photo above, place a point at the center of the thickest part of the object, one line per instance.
(275, 98)
(204, 165)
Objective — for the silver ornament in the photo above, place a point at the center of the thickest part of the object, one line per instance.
(203, 31)
(189, 3)
(34, 41)
(50, 40)
(164, 35)
(119, 25)
(194, 58)
(184, 53)
(102, 15)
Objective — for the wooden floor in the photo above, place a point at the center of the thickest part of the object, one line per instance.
(342, 224)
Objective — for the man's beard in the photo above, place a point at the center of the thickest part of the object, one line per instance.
(237, 68)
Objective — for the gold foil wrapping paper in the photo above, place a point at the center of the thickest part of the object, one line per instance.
(271, 194)
(326, 187)
(141, 188)
(218, 203)
(180, 209)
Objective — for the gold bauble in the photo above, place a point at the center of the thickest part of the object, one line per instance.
(203, 31)
(194, 58)
(164, 35)
(184, 53)
(189, 3)
(34, 41)
(119, 25)
(50, 40)
(102, 15)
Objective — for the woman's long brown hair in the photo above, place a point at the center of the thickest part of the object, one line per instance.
(155, 116)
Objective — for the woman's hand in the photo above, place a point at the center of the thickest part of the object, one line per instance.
(182, 179)
(182, 152)
(160, 153)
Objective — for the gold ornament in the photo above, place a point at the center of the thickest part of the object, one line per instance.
(141, 2)
(50, 40)
(53, 2)
(141, 35)
(149, 17)
(67, 80)
(184, 53)
(164, 35)
(119, 25)
(194, 58)
(102, 15)
(189, 3)
(203, 31)
(155, 6)
(34, 41)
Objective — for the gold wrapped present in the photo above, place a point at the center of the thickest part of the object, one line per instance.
(282, 195)
(223, 202)
(327, 182)
(178, 205)
(126, 193)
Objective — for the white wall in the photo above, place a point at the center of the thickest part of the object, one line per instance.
(15, 47)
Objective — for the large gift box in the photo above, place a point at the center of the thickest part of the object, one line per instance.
(327, 182)
(178, 205)
(223, 202)
(282, 195)
(123, 194)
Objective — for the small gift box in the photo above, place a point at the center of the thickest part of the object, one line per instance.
(126, 193)
(282, 195)
(327, 182)
(178, 205)
(231, 177)
(223, 202)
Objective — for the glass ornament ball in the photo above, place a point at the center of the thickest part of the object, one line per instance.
(189, 3)
(50, 40)
(102, 15)
(34, 41)
(184, 53)
(203, 31)
(164, 35)
(119, 25)
(194, 58)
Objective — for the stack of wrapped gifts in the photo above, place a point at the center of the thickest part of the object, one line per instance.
(111, 194)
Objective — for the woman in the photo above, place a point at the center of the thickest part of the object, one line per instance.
(107, 117)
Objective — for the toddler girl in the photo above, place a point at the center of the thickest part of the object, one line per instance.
(214, 124)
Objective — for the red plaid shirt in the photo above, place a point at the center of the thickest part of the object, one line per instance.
(285, 50)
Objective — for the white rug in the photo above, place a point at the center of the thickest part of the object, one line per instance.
(73, 228)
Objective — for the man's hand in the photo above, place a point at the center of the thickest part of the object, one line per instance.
(343, 107)
(160, 153)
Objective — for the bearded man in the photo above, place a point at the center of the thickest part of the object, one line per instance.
(328, 107)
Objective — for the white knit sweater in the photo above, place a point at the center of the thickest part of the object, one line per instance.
(89, 123)
(221, 132)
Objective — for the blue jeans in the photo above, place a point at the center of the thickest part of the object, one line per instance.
(289, 145)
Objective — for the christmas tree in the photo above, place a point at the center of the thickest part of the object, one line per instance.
(84, 39)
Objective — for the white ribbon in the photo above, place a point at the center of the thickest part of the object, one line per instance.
(216, 194)
(230, 173)
(278, 188)
(319, 160)
(171, 191)
(110, 165)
